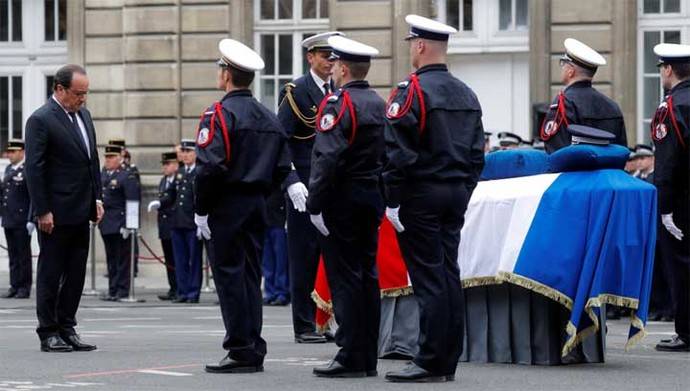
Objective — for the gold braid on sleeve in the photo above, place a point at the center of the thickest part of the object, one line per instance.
(306, 120)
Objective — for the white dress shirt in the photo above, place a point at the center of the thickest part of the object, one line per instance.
(319, 81)
(81, 125)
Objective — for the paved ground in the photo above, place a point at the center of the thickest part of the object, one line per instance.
(159, 346)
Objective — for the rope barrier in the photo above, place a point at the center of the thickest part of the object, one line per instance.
(155, 257)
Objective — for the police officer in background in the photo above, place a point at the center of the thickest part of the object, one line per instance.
(435, 150)
(186, 242)
(15, 221)
(128, 166)
(299, 103)
(242, 156)
(671, 134)
(119, 186)
(165, 204)
(346, 206)
(579, 103)
(508, 140)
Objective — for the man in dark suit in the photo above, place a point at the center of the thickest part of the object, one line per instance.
(63, 177)
(299, 103)
(15, 213)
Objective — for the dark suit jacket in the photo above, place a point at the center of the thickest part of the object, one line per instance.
(166, 212)
(60, 175)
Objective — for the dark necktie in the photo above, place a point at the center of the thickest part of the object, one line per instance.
(75, 126)
(326, 88)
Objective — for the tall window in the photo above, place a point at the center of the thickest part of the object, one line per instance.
(10, 109)
(55, 21)
(486, 25)
(279, 28)
(660, 21)
(10, 20)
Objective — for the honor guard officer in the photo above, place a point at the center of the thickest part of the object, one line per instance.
(165, 204)
(299, 103)
(508, 140)
(186, 241)
(579, 103)
(119, 186)
(435, 150)
(15, 221)
(126, 157)
(671, 134)
(242, 157)
(346, 206)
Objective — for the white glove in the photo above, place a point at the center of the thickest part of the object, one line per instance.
(298, 194)
(154, 205)
(393, 215)
(30, 228)
(667, 221)
(124, 232)
(318, 222)
(202, 229)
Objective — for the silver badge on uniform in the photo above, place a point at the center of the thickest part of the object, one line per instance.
(327, 122)
(660, 131)
(393, 109)
(113, 182)
(202, 138)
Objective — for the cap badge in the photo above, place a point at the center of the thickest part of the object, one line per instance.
(202, 138)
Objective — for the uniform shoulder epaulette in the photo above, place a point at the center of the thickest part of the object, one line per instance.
(306, 119)
(404, 84)
(333, 98)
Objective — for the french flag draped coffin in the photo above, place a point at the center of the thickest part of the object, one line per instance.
(582, 238)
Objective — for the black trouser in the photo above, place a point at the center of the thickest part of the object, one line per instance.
(349, 253)
(661, 299)
(303, 261)
(19, 253)
(60, 278)
(117, 253)
(168, 256)
(676, 255)
(237, 232)
(433, 214)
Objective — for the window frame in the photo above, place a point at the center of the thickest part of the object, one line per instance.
(485, 37)
(56, 25)
(661, 22)
(296, 27)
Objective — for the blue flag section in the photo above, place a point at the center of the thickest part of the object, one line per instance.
(591, 242)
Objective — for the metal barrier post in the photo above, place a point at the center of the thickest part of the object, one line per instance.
(132, 297)
(206, 270)
(92, 256)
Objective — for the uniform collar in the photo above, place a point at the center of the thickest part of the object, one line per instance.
(679, 86)
(356, 84)
(242, 92)
(18, 165)
(580, 84)
(432, 67)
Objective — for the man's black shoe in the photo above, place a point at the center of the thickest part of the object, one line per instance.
(268, 301)
(22, 295)
(193, 300)
(229, 365)
(674, 345)
(336, 369)
(372, 373)
(55, 344)
(167, 296)
(280, 301)
(77, 344)
(413, 373)
(9, 294)
(329, 336)
(667, 318)
(179, 300)
(311, 337)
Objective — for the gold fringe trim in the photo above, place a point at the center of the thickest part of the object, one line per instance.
(322, 328)
(323, 305)
(639, 336)
(397, 292)
(479, 281)
(537, 287)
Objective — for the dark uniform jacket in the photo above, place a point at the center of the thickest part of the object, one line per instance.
(15, 198)
(299, 103)
(62, 177)
(119, 186)
(671, 135)
(434, 132)
(349, 148)
(166, 211)
(581, 104)
(184, 198)
(240, 147)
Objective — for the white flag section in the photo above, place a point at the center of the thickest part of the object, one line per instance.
(497, 220)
